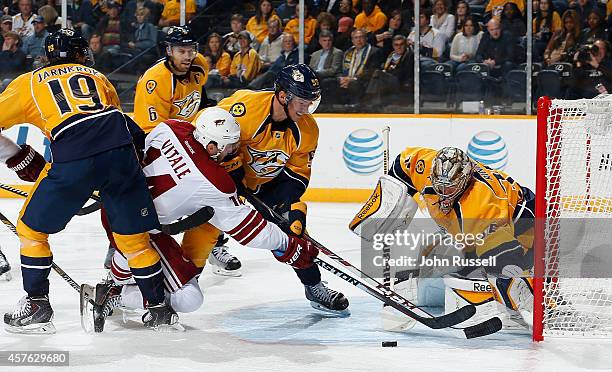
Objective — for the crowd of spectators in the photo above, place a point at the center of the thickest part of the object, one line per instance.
(362, 50)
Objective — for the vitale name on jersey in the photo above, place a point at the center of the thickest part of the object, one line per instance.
(177, 163)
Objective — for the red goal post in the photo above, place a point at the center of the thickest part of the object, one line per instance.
(572, 293)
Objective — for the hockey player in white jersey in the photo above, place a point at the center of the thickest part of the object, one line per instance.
(183, 172)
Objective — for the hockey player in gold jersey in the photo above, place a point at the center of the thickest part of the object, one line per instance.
(173, 88)
(91, 145)
(278, 140)
(466, 198)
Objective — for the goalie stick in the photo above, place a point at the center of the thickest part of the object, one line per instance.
(386, 251)
(385, 294)
(97, 204)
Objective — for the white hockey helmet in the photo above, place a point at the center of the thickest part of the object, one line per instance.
(214, 124)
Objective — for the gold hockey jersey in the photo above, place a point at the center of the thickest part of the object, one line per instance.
(161, 95)
(487, 208)
(268, 148)
(74, 105)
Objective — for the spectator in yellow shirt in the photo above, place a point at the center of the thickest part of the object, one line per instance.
(371, 18)
(258, 24)
(218, 61)
(245, 65)
(310, 25)
(171, 15)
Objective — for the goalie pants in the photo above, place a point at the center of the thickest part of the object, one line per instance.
(59, 193)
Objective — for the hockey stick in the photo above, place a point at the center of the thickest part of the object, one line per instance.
(83, 211)
(57, 269)
(86, 293)
(198, 218)
(386, 251)
(388, 296)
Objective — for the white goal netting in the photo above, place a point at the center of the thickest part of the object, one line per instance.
(578, 230)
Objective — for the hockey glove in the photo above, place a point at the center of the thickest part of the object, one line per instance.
(235, 169)
(296, 218)
(27, 163)
(300, 253)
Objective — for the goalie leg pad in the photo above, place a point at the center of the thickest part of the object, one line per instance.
(514, 290)
(388, 208)
(461, 291)
(393, 320)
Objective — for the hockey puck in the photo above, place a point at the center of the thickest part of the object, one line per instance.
(389, 343)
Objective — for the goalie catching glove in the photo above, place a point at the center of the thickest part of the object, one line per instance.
(300, 253)
(27, 163)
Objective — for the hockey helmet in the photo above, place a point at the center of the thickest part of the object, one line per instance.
(451, 173)
(65, 46)
(299, 81)
(216, 125)
(180, 36)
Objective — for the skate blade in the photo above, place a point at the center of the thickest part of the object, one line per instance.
(39, 328)
(126, 313)
(339, 313)
(222, 272)
(87, 294)
(169, 328)
(6, 276)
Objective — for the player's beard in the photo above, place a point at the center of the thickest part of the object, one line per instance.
(182, 68)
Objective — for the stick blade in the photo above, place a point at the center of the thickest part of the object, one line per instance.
(485, 328)
(448, 320)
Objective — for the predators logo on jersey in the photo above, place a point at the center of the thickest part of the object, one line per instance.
(189, 105)
(266, 164)
(151, 84)
(268, 148)
(162, 95)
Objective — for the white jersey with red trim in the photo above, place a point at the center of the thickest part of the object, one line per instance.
(183, 179)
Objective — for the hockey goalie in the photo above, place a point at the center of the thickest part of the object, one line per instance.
(464, 198)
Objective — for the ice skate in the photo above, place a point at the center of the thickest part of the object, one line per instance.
(224, 263)
(327, 300)
(32, 315)
(162, 318)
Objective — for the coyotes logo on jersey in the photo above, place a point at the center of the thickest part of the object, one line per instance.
(188, 105)
(268, 163)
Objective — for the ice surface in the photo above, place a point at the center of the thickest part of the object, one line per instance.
(261, 321)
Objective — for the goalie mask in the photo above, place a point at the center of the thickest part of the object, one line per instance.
(450, 175)
(217, 126)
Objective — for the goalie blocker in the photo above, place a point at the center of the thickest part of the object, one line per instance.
(389, 208)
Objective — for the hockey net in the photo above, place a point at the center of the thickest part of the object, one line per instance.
(573, 247)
